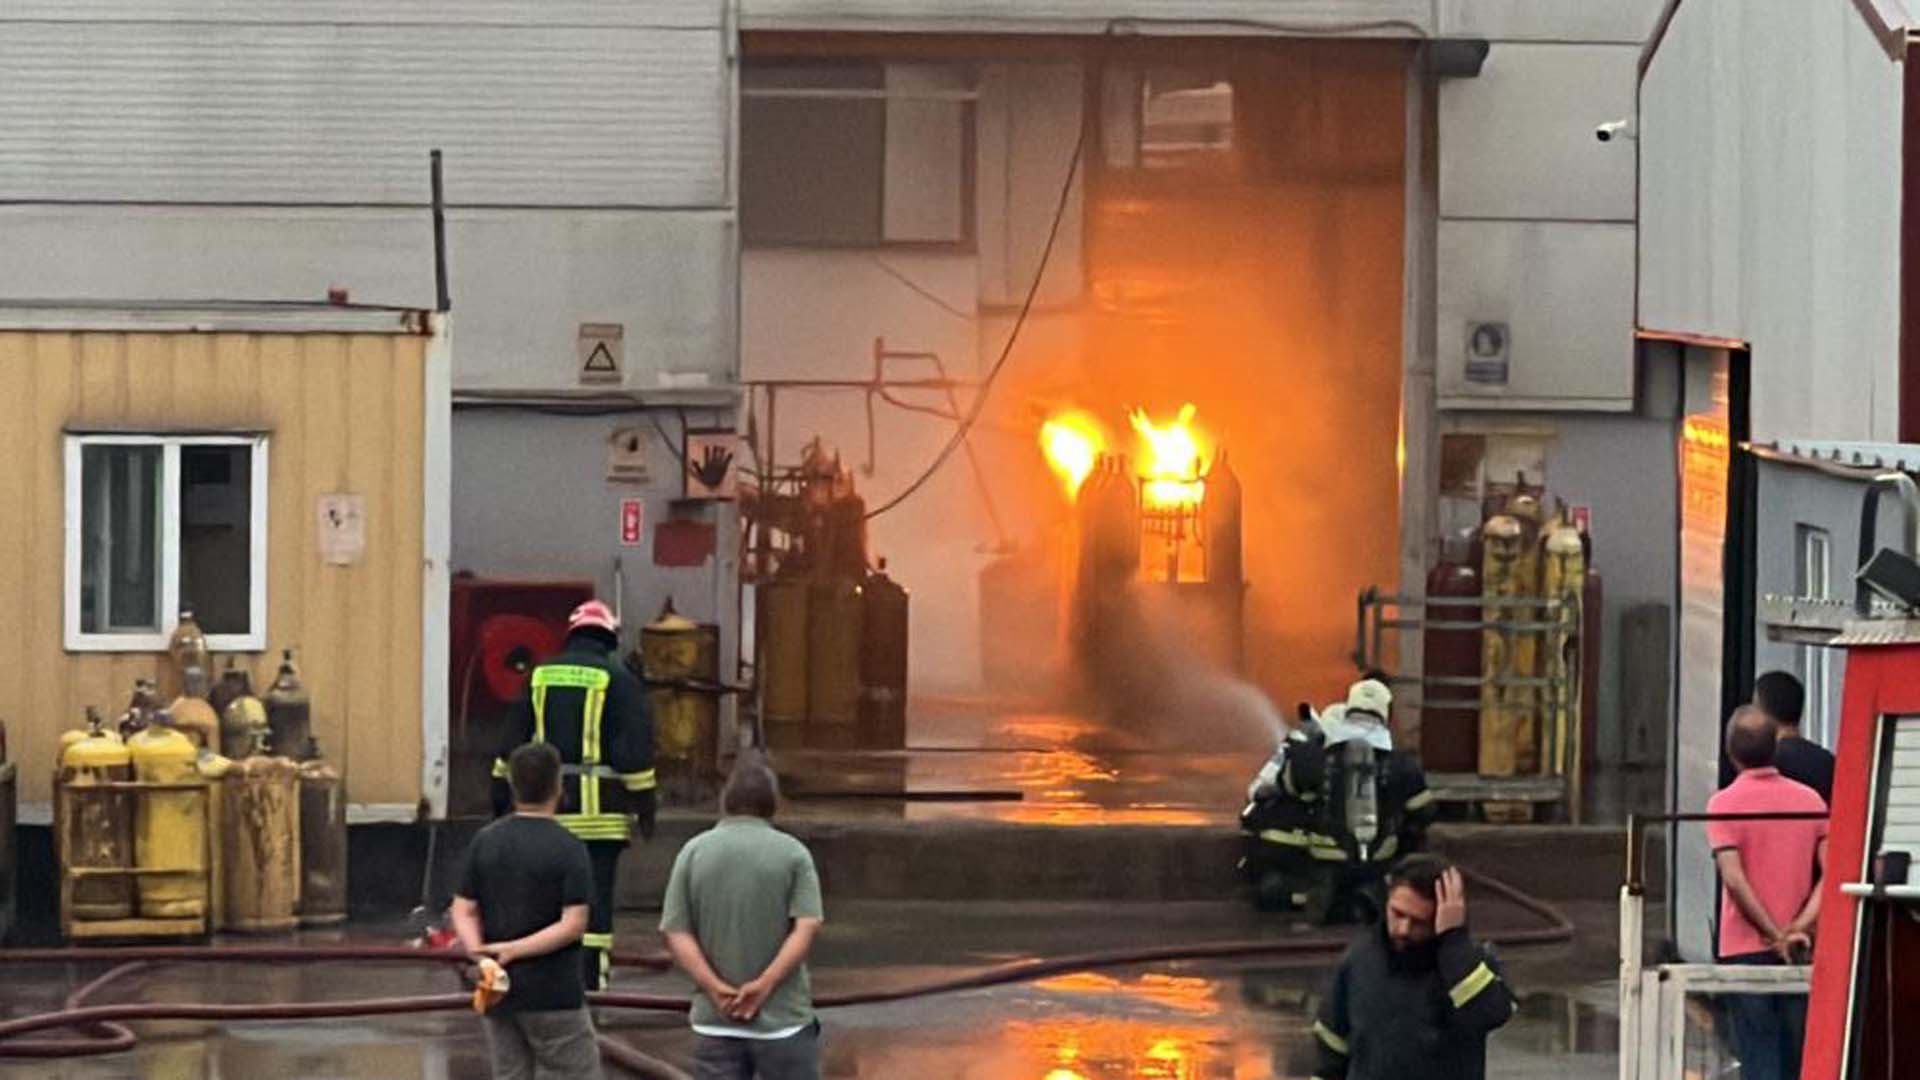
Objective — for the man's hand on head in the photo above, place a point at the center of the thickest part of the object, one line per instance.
(1450, 902)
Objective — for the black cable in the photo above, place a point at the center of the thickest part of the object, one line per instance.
(672, 447)
(1013, 336)
(1118, 25)
(921, 290)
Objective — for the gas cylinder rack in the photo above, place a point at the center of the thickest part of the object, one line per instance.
(1551, 621)
(69, 802)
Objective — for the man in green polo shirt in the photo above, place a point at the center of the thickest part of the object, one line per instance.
(741, 911)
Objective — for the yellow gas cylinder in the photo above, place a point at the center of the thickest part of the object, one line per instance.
(261, 844)
(674, 648)
(836, 613)
(782, 660)
(94, 829)
(1502, 541)
(213, 768)
(169, 826)
(195, 719)
(1563, 578)
(244, 722)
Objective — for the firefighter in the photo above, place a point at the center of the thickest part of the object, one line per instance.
(1333, 810)
(594, 711)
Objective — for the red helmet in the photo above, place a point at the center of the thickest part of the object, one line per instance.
(595, 614)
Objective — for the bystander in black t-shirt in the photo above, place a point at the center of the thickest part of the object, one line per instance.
(522, 871)
(1807, 762)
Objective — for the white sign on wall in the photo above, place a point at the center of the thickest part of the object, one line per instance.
(602, 352)
(343, 529)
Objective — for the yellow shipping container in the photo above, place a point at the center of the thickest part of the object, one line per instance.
(114, 414)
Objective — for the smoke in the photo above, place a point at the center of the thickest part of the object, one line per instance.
(1159, 675)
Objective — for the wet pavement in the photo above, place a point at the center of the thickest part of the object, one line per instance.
(1215, 1020)
(1022, 763)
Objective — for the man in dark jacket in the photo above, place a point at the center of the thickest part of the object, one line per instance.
(588, 706)
(1414, 996)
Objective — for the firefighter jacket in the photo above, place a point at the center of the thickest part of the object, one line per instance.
(1296, 812)
(1426, 1012)
(595, 713)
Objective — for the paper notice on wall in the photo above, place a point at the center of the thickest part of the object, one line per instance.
(627, 456)
(343, 529)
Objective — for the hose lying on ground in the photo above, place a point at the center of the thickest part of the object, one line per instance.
(107, 1035)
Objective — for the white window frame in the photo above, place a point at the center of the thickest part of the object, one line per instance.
(1815, 555)
(255, 639)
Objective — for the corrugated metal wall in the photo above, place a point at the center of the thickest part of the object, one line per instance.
(1770, 206)
(345, 414)
(576, 104)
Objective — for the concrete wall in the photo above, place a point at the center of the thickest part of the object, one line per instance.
(1536, 215)
(815, 313)
(522, 280)
(1770, 203)
(211, 149)
(531, 500)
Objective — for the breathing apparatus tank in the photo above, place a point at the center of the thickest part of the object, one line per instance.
(1362, 810)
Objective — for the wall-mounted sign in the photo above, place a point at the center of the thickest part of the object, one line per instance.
(1488, 346)
(343, 529)
(627, 456)
(713, 464)
(602, 351)
(633, 521)
(1582, 518)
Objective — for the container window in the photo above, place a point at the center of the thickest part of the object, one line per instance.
(157, 523)
(119, 523)
(1815, 558)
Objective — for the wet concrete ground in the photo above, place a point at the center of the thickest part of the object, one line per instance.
(1023, 763)
(1217, 1020)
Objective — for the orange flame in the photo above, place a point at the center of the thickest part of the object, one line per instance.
(1072, 441)
(1171, 460)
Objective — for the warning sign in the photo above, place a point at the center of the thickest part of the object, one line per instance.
(632, 522)
(603, 353)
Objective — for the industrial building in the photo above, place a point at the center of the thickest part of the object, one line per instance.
(1772, 294)
(1376, 245)
(1166, 361)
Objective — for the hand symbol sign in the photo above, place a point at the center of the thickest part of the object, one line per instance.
(711, 469)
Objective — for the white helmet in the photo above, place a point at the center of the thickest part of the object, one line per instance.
(1370, 696)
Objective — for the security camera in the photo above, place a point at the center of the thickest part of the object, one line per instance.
(1615, 129)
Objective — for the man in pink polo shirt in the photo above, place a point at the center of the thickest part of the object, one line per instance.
(1768, 902)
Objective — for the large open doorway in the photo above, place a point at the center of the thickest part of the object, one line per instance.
(1085, 228)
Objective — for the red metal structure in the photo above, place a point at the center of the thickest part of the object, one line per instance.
(1867, 955)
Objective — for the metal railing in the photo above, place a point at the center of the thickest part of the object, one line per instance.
(1653, 1003)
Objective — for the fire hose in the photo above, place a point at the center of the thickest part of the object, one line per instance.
(105, 1033)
